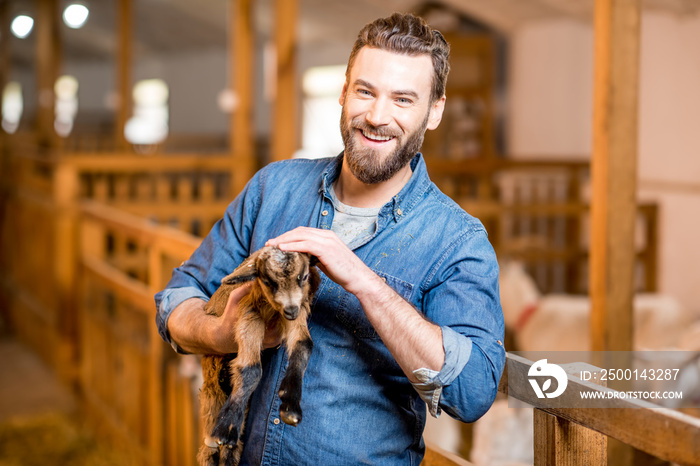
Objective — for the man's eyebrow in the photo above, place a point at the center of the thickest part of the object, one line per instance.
(363, 83)
(398, 92)
(408, 93)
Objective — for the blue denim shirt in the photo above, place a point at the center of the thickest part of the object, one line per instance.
(358, 405)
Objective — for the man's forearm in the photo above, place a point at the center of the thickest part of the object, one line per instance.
(414, 342)
(195, 331)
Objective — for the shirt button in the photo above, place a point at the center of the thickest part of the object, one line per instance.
(324, 213)
(399, 211)
(276, 421)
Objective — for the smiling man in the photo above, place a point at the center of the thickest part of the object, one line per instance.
(407, 314)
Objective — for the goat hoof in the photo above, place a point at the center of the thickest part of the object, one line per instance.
(226, 434)
(290, 415)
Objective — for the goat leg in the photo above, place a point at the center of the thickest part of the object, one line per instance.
(246, 372)
(299, 346)
(212, 397)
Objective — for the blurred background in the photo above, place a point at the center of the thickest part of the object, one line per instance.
(129, 125)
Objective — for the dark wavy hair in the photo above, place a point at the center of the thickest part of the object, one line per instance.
(407, 34)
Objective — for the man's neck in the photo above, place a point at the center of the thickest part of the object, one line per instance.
(351, 191)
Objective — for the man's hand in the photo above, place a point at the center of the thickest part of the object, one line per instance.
(337, 261)
(197, 332)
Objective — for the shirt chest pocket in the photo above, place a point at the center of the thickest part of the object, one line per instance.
(352, 316)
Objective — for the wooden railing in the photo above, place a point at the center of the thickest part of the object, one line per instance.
(129, 377)
(40, 194)
(578, 435)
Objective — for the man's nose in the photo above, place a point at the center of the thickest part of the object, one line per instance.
(379, 113)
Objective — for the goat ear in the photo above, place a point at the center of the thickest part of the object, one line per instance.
(314, 280)
(241, 275)
(246, 272)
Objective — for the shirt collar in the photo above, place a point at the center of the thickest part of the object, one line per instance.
(401, 204)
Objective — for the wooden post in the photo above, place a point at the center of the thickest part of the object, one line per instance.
(123, 67)
(285, 118)
(560, 442)
(242, 70)
(65, 264)
(156, 366)
(614, 181)
(47, 70)
(614, 173)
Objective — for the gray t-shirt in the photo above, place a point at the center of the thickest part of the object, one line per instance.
(353, 225)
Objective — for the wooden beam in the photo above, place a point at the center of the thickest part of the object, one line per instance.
(242, 70)
(123, 66)
(614, 173)
(285, 119)
(48, 42)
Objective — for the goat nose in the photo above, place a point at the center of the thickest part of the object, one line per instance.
(291, 312)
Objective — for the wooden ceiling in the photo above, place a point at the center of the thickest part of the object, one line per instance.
(174, 26)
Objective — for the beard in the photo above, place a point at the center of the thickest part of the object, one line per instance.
(367, 164)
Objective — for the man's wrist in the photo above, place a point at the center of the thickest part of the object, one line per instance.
(367, 284)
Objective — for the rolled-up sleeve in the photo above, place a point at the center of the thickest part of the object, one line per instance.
(457, 351)
(220, 252)
(464, 301)
(166, 301)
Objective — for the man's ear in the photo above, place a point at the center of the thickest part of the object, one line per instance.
(341, 100)
(435, 116)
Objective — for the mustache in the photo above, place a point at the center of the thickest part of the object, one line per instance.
(362, 125)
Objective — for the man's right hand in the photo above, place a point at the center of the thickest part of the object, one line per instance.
(197, 332)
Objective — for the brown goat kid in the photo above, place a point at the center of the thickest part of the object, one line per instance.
(283, 286)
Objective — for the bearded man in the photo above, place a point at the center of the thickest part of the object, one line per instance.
(407, 315)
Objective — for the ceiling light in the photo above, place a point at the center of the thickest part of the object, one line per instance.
(75, 15)
(21, 26)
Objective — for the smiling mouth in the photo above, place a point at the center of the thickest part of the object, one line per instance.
(376, 137)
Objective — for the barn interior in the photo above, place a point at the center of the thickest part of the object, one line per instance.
(570, 131)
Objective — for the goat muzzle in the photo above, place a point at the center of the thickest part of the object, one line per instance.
(291, 312)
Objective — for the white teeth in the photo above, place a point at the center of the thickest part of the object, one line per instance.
(376, 137)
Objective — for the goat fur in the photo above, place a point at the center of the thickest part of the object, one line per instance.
(283, 286)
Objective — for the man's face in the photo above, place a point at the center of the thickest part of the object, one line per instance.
(386, 111)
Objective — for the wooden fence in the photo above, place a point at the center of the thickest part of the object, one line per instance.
(130, 380)
(39, 196)
(579, 435)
